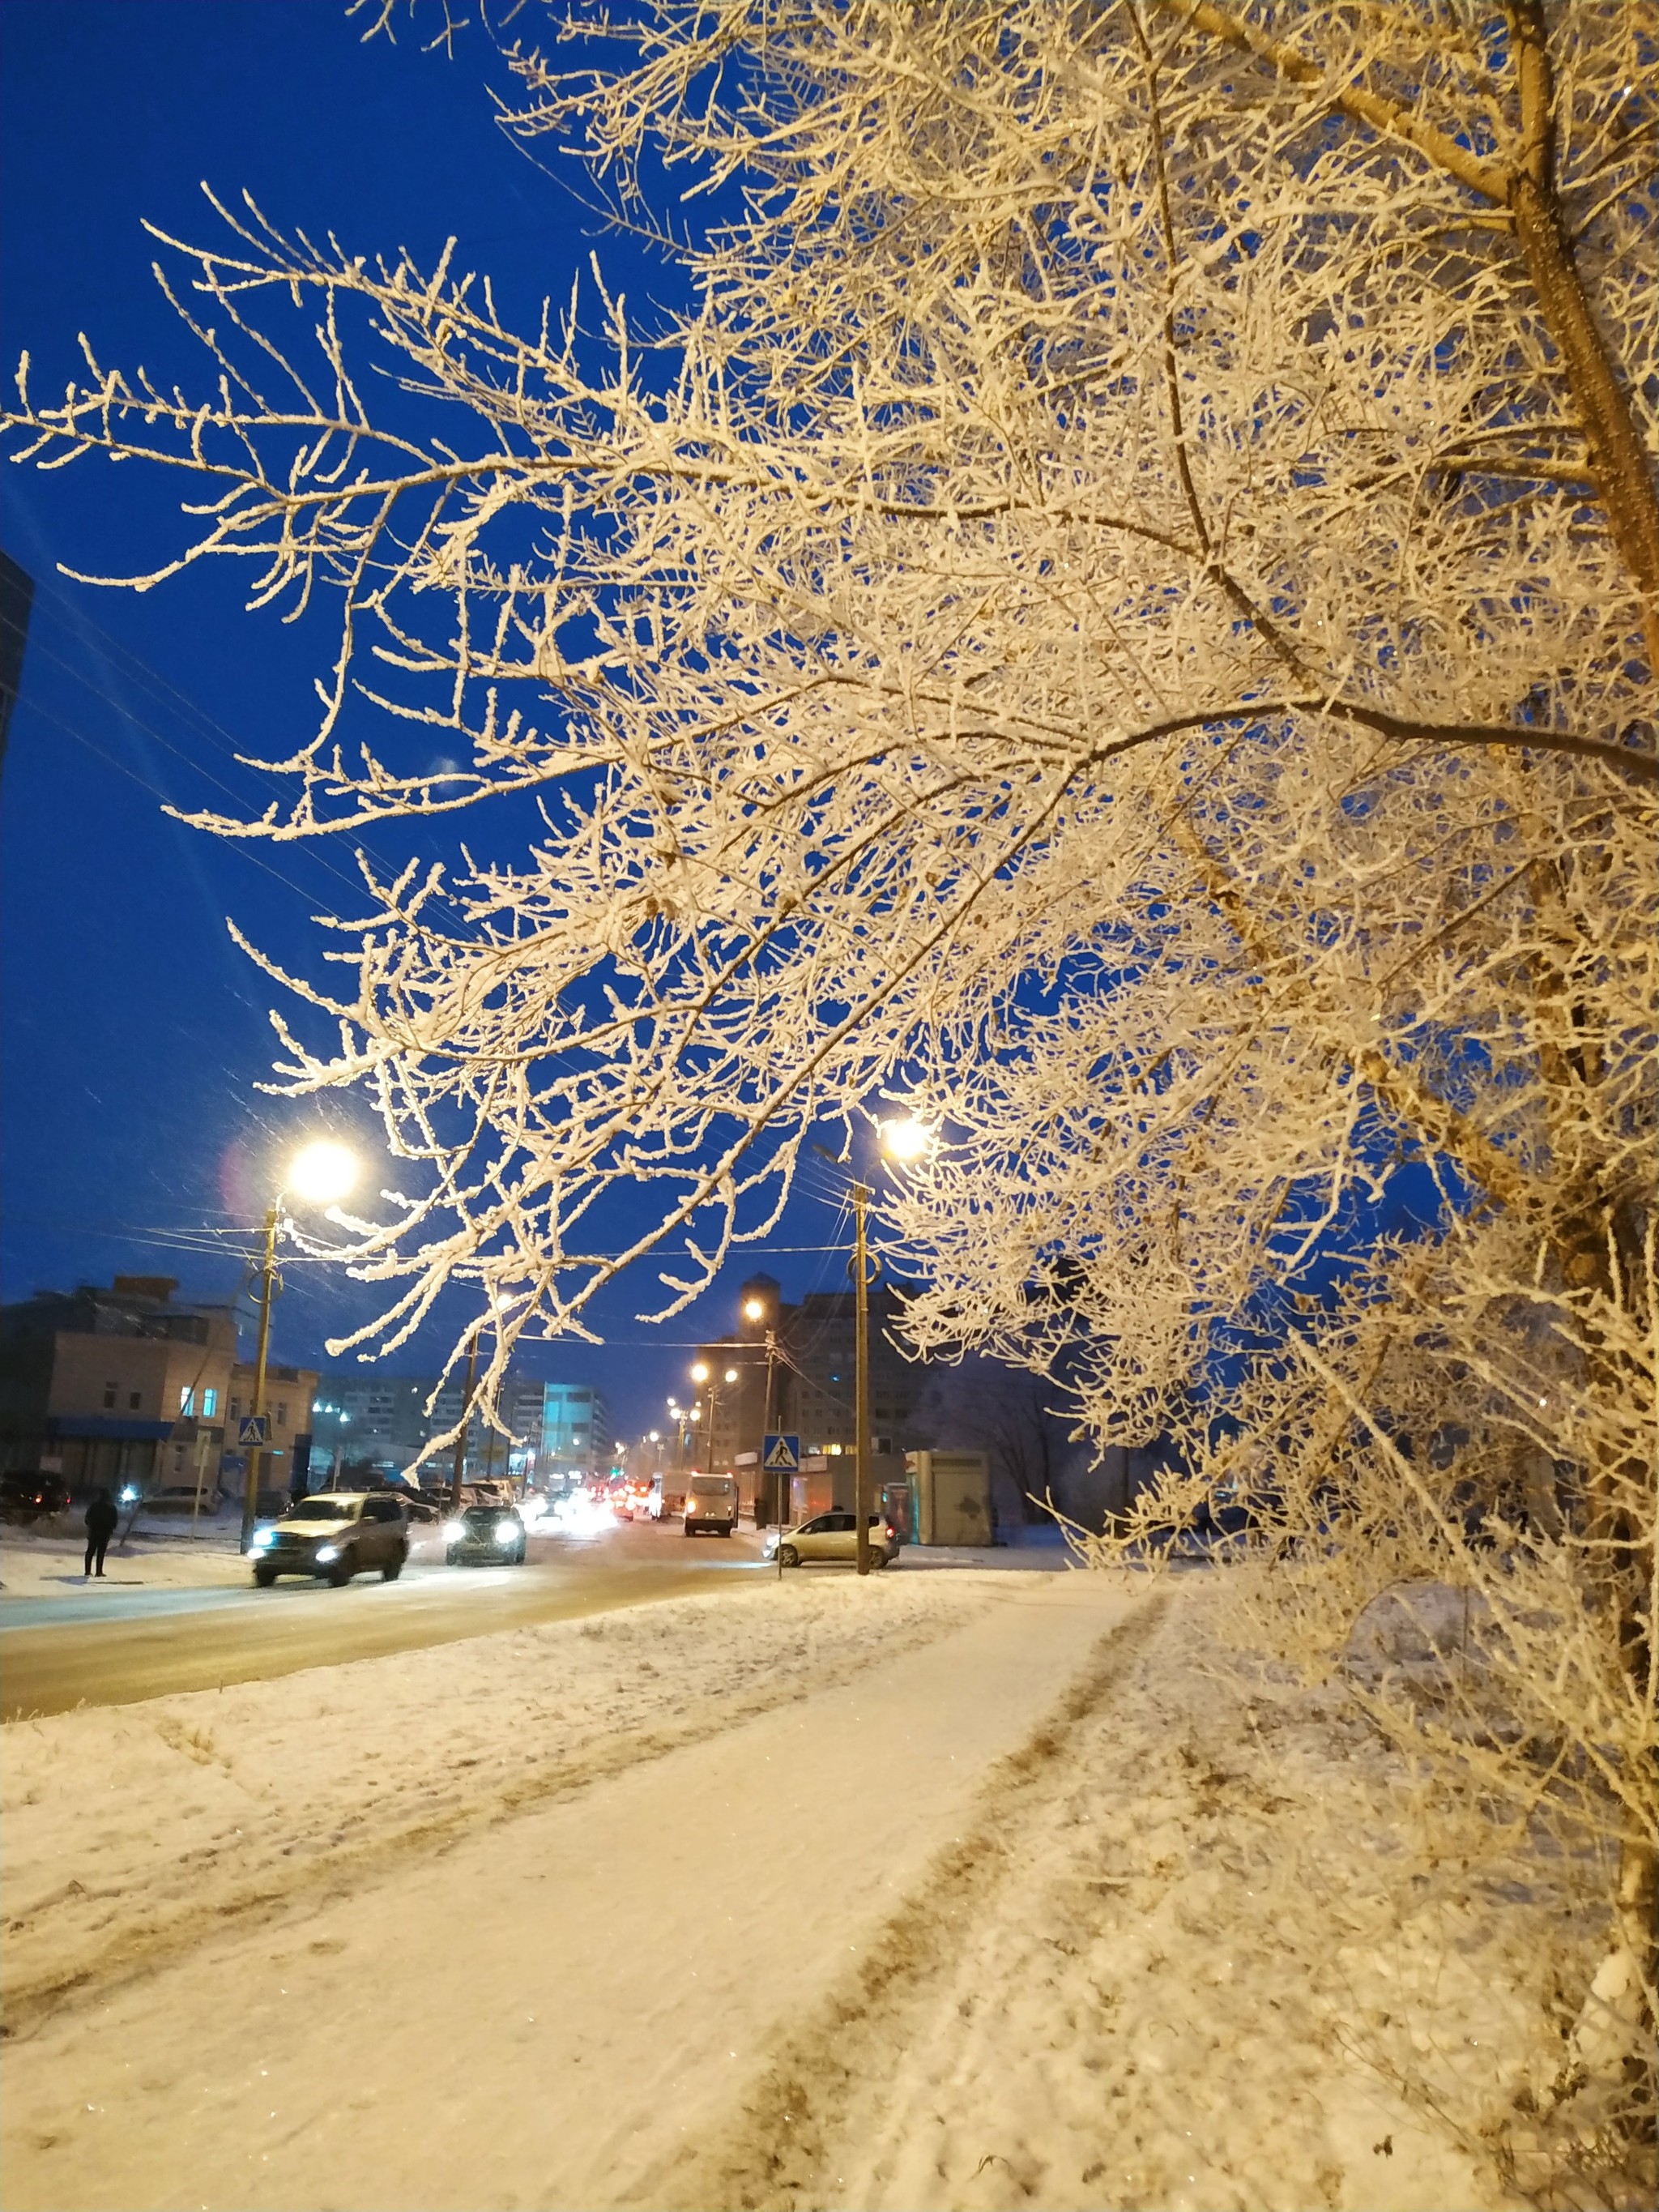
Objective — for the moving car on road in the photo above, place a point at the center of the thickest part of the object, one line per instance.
(711, 1505)
(485, 1532)
(332, 1536)
(833, 1537)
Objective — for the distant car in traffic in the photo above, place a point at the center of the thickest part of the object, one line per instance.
(333, 1536)
(28, 1497)
(485, 1532)
(711, 1505)
(421, 1504)
(832, 1536)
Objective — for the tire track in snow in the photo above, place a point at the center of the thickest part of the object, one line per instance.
(774, 2155)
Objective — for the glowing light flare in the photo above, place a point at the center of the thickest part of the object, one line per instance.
(906, 1140)
(322, 1173)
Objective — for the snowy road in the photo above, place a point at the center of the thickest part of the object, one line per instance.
(120, 1647)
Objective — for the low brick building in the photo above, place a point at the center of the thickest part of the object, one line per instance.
(117, 1387)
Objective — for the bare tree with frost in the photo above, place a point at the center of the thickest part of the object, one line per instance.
(1127, 615)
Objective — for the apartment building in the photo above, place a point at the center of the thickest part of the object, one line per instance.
(117, 1386)
(381, 1425)
(795, 1372)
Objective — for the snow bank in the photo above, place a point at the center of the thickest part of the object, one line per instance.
(914, 1893)
(129, 1826)
(1202, 1949)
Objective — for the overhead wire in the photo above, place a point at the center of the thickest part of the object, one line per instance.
(74, 619)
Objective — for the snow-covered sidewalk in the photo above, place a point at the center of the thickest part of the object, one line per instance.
(132, 1829)
(543, 2013)
(158, 1552)
(958, 1891)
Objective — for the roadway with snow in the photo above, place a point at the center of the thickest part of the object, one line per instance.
(952, 1891)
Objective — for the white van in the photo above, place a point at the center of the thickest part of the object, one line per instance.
(711, 1505)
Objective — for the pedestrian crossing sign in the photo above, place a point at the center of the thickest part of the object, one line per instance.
(781, 1455)
(254, 1430)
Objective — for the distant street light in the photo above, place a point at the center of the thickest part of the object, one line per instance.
(320, 1174)
(904, 1139)
(700, 1373)
(754, 1310)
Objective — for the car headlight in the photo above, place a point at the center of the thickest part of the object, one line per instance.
(507, 1532)
(261, 1539)
(454, 1532)
(328, 1551)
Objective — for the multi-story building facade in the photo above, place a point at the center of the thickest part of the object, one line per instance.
(794, 1370)
(118, 1387)
(575, 1430)
(381, 1425)
(793, 1366)
(290, 1399)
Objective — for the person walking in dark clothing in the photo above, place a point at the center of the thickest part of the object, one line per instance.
(102, 1518)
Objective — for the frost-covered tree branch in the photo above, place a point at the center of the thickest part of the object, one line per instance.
(1127, 612)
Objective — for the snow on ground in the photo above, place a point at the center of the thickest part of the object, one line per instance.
(161, 1552)
(1205, 1950)
(536, 2013)
(958, 1891)
(129, 1827)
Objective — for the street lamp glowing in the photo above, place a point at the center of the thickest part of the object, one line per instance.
(754, 1310)
(700, 1372)
(731, 1374)
(905, 1140)
(322, 1173)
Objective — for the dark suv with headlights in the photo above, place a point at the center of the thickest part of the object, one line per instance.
(482, 1532)
(27, 1497)
(332, 1536)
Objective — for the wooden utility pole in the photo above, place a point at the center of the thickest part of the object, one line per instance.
(778, 1502)
(861, 1378)
(255, 1452)
(466, 1424)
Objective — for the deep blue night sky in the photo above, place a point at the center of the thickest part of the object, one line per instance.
(135, 1030)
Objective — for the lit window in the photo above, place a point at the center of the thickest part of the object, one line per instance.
(187, 1398)
(210, 1404)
